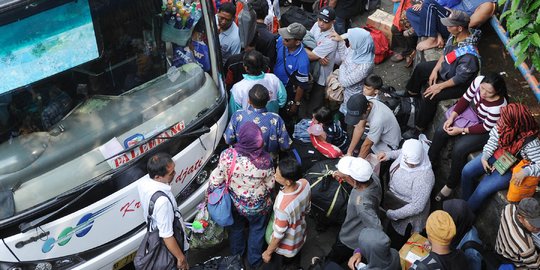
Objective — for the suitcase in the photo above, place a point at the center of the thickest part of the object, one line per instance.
(296, 14)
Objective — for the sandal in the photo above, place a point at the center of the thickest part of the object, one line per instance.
(409, 32)
(409, 59)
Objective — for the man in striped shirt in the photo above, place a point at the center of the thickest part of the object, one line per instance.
(514, 239)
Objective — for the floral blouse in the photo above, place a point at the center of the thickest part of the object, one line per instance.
(250, 188)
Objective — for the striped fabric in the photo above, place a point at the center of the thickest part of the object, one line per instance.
(530, 152)
(290, 210)
(488, 112)
(514, 243)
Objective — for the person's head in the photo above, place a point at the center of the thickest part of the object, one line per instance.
(253, 62)
(326, 18)
(288, 171)
(322, 115)
(292, 35)
(358, 108)
(250, 136)
(457, 22)
(356, 169)
(515, 119)
(372, 85)
(261, 8)
(528, 213)
(160, 167)
(375, 247)
(258, 96)
(462, 215)
(362, 46)
(226, 14)
(493, 87)
(412, 153)
(440, 228)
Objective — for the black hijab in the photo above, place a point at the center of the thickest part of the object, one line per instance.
(463, 217)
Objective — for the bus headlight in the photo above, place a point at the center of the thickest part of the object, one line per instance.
(60, 264)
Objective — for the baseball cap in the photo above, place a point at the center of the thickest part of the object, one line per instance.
(327, 14)
(294, 30)
(356, 106)
(456, 18)
(440, 228)
(357, 168)
(529, 208)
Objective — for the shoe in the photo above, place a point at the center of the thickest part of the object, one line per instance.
(409, 33)
(441, 197)
(397, 58)
(409, 59)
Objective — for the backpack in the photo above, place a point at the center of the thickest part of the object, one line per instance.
(382, 46)
(296, 14)
(405, 108)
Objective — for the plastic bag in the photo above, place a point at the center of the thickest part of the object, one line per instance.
(220, 263)
(212, 235)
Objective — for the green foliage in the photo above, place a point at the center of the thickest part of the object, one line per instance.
(522, 21)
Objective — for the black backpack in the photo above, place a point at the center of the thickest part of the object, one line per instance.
(298, 15)
(405, 108)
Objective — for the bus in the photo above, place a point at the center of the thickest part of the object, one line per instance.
(89, 90)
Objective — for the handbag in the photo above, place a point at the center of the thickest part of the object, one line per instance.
(269, 229)
(152, 252)
(334, 89)
(467, 118)
(391, 201)
(526, 189)
(219, 201)
(212, 235)
(505, 160)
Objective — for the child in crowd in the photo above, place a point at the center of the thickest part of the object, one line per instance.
(290, 210)
(333, 133)
(372, 85)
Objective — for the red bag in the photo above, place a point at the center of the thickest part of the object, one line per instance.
(382, 46)
(327, 149)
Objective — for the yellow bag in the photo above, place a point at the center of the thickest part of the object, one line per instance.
(527, 187)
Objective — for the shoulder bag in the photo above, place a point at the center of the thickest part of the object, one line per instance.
(391, 201)
(152, 252)
(467, 118)
(334, 89)
(219, 200)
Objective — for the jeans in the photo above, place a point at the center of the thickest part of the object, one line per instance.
(475, 195)
(427, 21)
(341, 25)
(463, 146)
(474, 258)
(255, 241)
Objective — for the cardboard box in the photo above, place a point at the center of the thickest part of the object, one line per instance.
(382, 21)
(412, 251)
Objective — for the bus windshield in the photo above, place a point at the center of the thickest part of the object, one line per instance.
(90, 84)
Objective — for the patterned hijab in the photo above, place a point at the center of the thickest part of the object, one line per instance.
(361, 44)
(515, 127)
(250, 144)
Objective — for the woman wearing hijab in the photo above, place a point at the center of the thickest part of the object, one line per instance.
(251, 182)
(411, 181)
(357, 64)
(463, 217)
(516, 133)
(374, 246)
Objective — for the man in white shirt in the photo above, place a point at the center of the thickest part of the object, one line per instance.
(161, 172)
(325, 53)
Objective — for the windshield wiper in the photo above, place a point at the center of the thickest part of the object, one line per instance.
(24, 227)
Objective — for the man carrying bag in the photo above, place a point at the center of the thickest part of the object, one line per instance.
(165, 243)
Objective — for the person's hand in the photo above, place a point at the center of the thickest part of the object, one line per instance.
(433, 90)
(381, 156)
(266, 256)
(518, 177)
(182, 263)
(487, 168)
(336, 37)
(448, 123)
(454, 131)
(293, 109)
(432, 78)
(324, 61)
(417, 7)
(354, 260)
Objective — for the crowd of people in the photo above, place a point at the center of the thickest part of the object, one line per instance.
(278, 81)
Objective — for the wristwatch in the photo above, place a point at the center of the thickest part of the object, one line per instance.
(297, 103)
(463, 131)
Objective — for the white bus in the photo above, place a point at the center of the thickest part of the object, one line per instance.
(89, 90)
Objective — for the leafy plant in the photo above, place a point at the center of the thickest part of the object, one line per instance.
(522, 22)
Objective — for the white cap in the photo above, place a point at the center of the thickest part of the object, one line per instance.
(357, 168)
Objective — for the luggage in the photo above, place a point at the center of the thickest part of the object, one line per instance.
(329, 197)
(296, 14)
(233, 262)
(381, 43)
(305, 153)
(405, 108)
